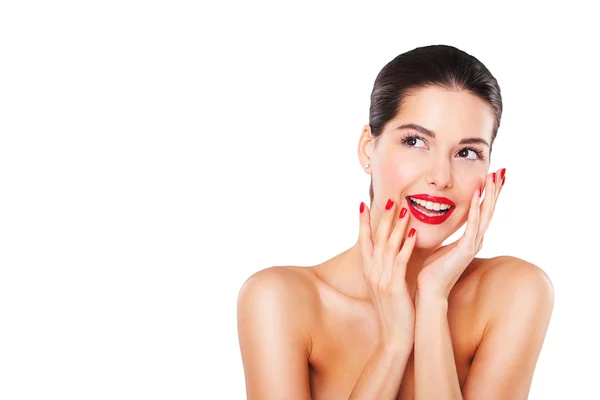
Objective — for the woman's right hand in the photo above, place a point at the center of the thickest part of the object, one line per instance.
(384, 268)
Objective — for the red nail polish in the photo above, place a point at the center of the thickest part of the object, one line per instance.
(412, 232)
(503, 178)
(480, 191)
(389, 204)
(362, 207)
(494, 177)
(502, 172)
(403, 212)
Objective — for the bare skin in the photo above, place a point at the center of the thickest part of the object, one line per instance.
(314, 332)
(340, 330)
(346, 330)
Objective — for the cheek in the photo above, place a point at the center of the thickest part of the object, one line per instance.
(469, 185)
(395, 174)
(476, 183)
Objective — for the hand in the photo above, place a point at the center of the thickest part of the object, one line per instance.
(444, 267)
(384, 269)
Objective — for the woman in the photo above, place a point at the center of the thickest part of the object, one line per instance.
(398, 315)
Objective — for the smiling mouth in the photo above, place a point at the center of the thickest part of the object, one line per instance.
(429, 208)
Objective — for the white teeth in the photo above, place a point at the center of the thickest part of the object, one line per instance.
(430, 205)
(432, 214)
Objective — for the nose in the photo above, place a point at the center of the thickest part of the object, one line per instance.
(439, 175)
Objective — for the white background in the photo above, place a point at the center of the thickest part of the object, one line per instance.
(154, 155)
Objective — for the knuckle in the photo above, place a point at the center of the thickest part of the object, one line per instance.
(378, 239)
(400, 262)
(389, 248)
(401, 222)
(383, 286)
(401, 259)
(386, 219)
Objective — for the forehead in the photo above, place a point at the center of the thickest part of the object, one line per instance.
(447, 113)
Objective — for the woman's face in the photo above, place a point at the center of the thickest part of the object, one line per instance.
(408, 162)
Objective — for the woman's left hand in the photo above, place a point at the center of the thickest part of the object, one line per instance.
(443, 268)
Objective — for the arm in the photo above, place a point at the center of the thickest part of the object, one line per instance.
(504, 364)
(505, 360)
(435, 369)
(275, 344)
(384, 262)
(273, 335)
(382, 375)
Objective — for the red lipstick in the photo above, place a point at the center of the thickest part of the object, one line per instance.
(435, 220)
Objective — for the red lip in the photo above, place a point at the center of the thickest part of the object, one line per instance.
(433, 199)
(426, 219)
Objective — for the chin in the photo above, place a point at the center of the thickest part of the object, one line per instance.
(429, 243)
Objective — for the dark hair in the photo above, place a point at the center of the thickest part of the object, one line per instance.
(436, 65)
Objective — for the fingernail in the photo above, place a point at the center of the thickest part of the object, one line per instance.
(403, 212)
(412, 232)
(494, 177)
(480, 191)
(502, 172)
(503, 178)
(389, 204)
(362, 207)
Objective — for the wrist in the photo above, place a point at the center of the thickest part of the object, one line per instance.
(395, 348)
(429, 297)
(428, 291)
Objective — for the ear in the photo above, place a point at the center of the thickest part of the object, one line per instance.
(365, 147)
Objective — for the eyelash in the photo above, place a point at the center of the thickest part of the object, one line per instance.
(479, 153)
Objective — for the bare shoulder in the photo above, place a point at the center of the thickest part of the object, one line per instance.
(506, 278)
(279, 290)
(274, 312)
(282, 283)
(517, 298)
(511, 270)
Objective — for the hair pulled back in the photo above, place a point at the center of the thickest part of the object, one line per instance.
(437, 65)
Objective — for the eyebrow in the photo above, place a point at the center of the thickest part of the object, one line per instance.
(431, 134)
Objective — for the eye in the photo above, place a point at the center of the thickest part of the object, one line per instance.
(475, 154)
(411, 141)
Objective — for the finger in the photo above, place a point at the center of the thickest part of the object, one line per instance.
(500, 179)
(364, 238)
(401, 261)
(486, 214)
(488, 205)
(381, 238)
(443, 250)
(467, 241)
(480, 245)
(393, 246)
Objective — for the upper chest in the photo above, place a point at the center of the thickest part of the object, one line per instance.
(346, 334)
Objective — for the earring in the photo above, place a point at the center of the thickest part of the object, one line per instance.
(367, 165)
